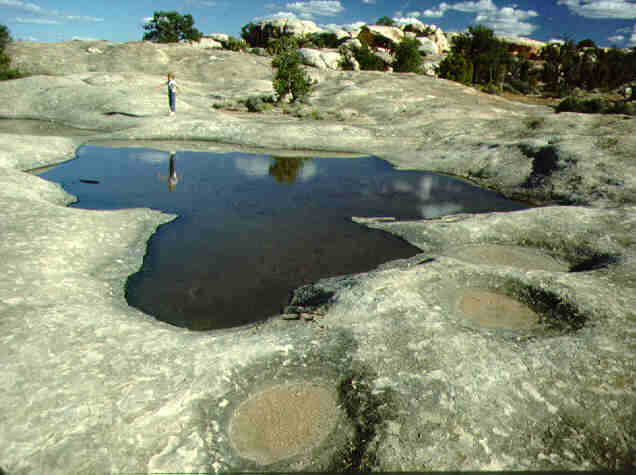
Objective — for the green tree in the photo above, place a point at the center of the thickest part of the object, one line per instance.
(171, 27)
(586, 43)
(384, 21)
(485, 59)
(456, 68)
(5, 61)
(290, 78)
(408, 58)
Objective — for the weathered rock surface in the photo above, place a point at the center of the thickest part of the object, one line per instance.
(408, 377)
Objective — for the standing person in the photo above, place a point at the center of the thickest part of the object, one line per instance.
(172, 92)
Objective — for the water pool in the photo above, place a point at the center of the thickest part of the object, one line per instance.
(251, 228)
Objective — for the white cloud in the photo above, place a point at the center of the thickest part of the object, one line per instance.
(49, 17)
(83, 38)
(616, 39)
(473, 7)
(353, 26)
(618, 9)
(88, 19)
(37, 21)
(316, 7)
(19, 5)
(436, 12)
(508, 21)
(406, 21)
(276, 16)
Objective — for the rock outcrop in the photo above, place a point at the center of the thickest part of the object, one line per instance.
(507, 344)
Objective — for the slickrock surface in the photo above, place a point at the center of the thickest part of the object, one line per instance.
(404, 379)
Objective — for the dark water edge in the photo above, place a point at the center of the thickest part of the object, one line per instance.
(252, 228)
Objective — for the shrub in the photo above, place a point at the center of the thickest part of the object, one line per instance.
(385, 20)
(573, 104)
(324, 40)
(284, 43)
(408, 58)
(456, 68)
(367, 60)
(290, 78)
(586, 43)
(258, 103)
(234, 44)
(346, 59)
(171, 27)
(5, 61)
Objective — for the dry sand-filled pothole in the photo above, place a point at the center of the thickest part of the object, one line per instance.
(509, 306)
(513, 256)
(283, 421)
(495, 310)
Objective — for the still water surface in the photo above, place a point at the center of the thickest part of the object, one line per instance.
(251, 228)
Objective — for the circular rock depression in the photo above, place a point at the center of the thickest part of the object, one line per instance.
(494, 310)
(283, 421)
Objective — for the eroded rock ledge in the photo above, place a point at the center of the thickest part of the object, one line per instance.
(400, 368)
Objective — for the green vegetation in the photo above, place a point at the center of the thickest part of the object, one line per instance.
(320, 40)
(290, 78)
(171, 27)
(367, 59)
(477, 57)
(5, 61)
(456, 68)
(234, 44)
(595, 106)
(257, 37)
(408, 58)
(569, 66)
(384, 21)
(284, 43)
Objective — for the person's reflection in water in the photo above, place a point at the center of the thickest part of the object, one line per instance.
(173, 178)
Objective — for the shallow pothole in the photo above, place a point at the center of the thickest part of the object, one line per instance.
(283, 421)
(494, 310)
(505, 307)
(513, 256)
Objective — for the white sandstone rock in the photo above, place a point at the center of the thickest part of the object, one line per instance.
(389, 32)
(321, 59)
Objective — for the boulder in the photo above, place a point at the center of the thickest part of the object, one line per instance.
(384, 33)
(205, 43)
(220, 37)
(352, 43)
(441, 41)
(321, 59)
(339, 32)
(295, 26)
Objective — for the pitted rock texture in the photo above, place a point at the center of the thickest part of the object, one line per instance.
(93, 385)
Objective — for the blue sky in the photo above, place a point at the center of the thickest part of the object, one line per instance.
(607, 22)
